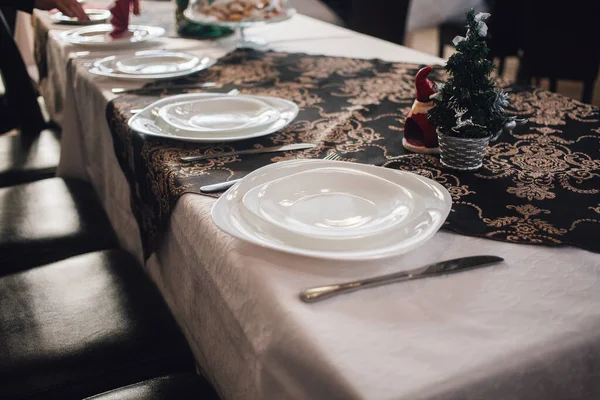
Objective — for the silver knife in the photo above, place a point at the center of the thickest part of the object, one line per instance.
(287, 147)
(219, 187)
(120, 90)
(440, 268)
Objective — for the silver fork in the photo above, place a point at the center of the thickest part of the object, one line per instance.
(333, 156)
(219, 187)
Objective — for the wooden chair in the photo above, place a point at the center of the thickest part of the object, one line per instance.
(87, 325)
(31, 151)
(560, 43)
(380, 18)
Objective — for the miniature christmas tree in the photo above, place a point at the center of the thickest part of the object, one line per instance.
(469, 105)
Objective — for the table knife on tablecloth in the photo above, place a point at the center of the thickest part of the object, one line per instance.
(440, 268)
(274, 149)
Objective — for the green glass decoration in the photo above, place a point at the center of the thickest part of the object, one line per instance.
(187, 28)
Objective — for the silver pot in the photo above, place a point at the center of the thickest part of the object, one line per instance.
(464, 154)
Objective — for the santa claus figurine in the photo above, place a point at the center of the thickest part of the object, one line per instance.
(419, 135)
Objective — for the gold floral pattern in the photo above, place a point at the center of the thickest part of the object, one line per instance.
(539, 184)
(525, 228)
(538, 163)
(547, 108)
(254, 70)
(373, 90)
(324, 67)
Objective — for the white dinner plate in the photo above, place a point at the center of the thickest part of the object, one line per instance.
(224, 114)
(95, 17)
(228, 213)
(334, 203)
(150, 64)
(98, 36)
(145, 122)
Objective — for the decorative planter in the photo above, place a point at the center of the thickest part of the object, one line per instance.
(462, 153)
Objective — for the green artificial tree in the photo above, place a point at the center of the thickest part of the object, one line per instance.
(468, 105)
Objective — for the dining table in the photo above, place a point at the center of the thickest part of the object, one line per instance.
(528, 328)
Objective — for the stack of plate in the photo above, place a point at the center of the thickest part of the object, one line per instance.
(150, 64)
(333, 209)
(210, 117)
(99, 36)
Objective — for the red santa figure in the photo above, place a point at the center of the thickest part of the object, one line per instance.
(419, 135)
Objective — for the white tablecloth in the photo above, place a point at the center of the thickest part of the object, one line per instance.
(431, 13)
(527, 329)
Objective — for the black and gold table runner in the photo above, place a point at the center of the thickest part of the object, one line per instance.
(538, 185)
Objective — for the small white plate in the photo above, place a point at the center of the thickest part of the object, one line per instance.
(150, 64)
(99, 36)
(95, 17)
(333, 203)
(145, 122)
(224, 114)
(227, 213)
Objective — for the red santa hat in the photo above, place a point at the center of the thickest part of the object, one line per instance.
(425, 87)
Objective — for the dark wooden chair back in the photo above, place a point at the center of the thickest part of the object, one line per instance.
(561, 42)
(21, 96)
(380, 18)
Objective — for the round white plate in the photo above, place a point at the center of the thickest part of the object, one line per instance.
(98, 35)
(333, 203)
(227, 213)
(145, 122)
(225, 114)
(155, 63)
(150, 64)
(95, 17)
(202, 18)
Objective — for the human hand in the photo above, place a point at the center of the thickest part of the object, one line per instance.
(136, 7)
(70, 8)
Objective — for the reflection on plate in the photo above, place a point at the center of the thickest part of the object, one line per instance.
(244, 221)
(221, 114)
(150, 64)
(98, 35)
(339, 203)
(155, 62)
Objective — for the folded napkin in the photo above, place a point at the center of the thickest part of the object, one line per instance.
(120, 16)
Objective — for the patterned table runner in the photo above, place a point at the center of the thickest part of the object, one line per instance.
(539, 185)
